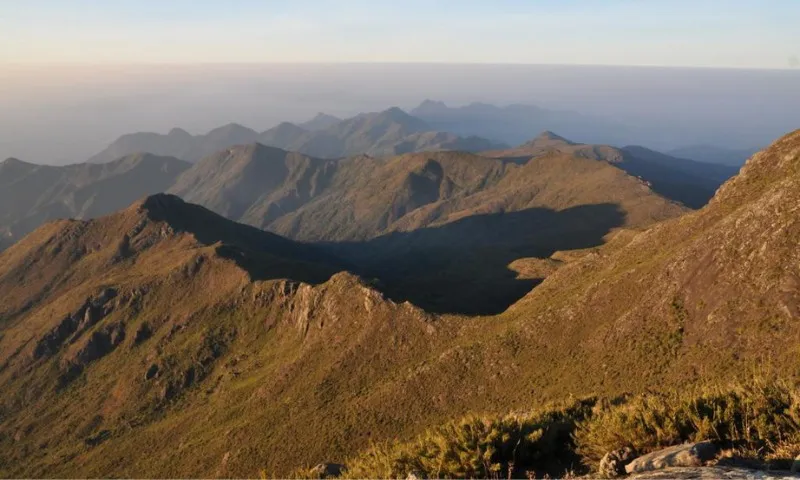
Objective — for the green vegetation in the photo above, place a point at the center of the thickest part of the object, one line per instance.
(482, 447)
(760, 419)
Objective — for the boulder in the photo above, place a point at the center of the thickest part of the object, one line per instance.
(327, 470)
(711, 473)
(613, 463)
(686, 455)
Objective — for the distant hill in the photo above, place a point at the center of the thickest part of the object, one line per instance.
(390, 132)
(714, 154)
(687, 181)
(33, 194)
(513, 124)
(386, 133)
(320, 122)
(177, 143)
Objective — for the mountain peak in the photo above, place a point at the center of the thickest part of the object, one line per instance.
(13, 161)
(551, 137)
(429, 105)
(320, 122)
(396, 112)
(398, 115)
(15, 164)
(288, 126)
(158, 201)
(229, 127)
(179, 132)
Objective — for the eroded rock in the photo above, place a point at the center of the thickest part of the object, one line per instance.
(327, 470)
(613, 463)
(686, 455)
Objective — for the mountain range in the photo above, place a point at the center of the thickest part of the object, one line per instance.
(437, 228)
(431, 126)
(117, 334)
(390, 132)
(513, 124)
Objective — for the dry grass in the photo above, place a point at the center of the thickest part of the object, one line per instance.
(758, 421)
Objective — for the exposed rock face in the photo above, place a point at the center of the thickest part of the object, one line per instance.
(715, 473)
(613, 463)
(686, 455)
(327, 470)
(90, 313)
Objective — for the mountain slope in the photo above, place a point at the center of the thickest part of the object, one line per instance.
(283, 135)
(687, 181)
(254, 183)
(32, 194)
(112, 329)
(708, 295)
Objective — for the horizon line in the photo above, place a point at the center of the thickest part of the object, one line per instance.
(115, 64)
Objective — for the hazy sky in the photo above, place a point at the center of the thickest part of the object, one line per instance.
(723, 33)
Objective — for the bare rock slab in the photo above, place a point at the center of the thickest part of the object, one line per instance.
(711, 473)
(686, 455)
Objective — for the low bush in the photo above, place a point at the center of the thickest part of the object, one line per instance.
(760, 418)
(515, 445)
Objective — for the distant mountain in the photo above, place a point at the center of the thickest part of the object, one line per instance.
(254, 184)
(386, 133)
(177, 143)
(378, 134)
(714, 154)
(33, 194)
(687, 181)
(285, 133)
(513, 124)
(320, 122)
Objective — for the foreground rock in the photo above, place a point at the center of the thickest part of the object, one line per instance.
(327, 470)
(686, 455)
(613, 463)
(734, 473)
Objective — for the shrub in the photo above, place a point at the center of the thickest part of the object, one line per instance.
(759, 420)
(759, 416)
(481, 447)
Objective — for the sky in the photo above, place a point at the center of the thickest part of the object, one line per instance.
(699, 33)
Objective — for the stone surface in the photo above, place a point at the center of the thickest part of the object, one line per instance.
(327, 470)
(613, 463)
(686, 455)
(702, 473)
